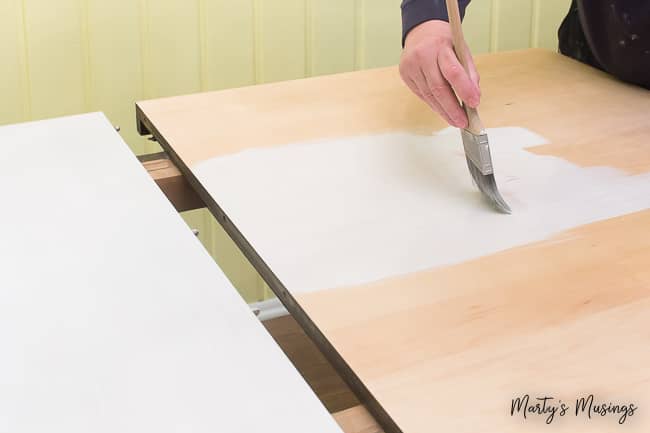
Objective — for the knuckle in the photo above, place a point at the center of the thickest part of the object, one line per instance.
(420, 54)
(406, 72)
(408, 64)
(406, 55)
(403, 64)
(431, 100)
(439, 42)
(453, 71)
(437, 91)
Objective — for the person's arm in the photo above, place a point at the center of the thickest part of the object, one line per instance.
(415, 12)
(429, 65)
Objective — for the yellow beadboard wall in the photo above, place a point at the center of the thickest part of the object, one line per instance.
(71, 56)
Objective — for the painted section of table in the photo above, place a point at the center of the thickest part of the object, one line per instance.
(402, 203)
(449, 347)
(131, 328)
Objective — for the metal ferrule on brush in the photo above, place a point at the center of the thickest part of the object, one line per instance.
(477, 149)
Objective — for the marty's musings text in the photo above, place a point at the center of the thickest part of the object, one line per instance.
(550, 408)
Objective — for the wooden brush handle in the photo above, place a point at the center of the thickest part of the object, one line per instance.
(475, 125)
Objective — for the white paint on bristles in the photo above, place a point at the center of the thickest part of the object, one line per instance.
(344, 212)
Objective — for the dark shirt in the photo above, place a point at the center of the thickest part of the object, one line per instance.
(613, 35)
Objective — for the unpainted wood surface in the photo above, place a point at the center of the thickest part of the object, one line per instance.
(587, 117)
(357, 420)
(172, 182)
(448, 349)
(311, 364)
(451, 347)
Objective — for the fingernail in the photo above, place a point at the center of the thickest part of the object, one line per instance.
(473, 102)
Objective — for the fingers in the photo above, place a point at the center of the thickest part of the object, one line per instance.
(414, 78)
(438, 88)
(453, 72)
(432, 71)
(418, 85)
(425, 80)
(428, 96)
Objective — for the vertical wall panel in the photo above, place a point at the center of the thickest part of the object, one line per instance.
(14, 92)
(359, 34)
(197, 220)
(477, 26)
(513, 24)
(267, 293)
(56, 56)
(171, 62)
(332, 36)
(548, 17)
(172, 47)
(229, 59)
(281, 39)
(382, 29)
(241, 273)
(171, 50)
(115, 63)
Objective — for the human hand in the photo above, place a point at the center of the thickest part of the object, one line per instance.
(430, 68)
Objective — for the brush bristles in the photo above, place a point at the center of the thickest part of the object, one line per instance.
(488, 186)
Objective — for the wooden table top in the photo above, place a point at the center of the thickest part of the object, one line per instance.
(450, 346)
(113, 317)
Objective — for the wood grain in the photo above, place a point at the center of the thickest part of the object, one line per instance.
(564, 317)
(312, 365)
(449, 348)
(357, 420)
(588, 117)
(172, 183)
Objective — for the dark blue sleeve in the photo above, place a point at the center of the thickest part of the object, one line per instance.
(416, 12)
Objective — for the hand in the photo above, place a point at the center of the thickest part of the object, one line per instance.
(430, 68)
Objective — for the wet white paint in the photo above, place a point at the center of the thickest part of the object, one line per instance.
(344, 212)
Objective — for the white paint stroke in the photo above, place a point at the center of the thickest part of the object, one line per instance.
(344, 212)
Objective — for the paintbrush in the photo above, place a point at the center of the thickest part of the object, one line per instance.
(475, 139)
